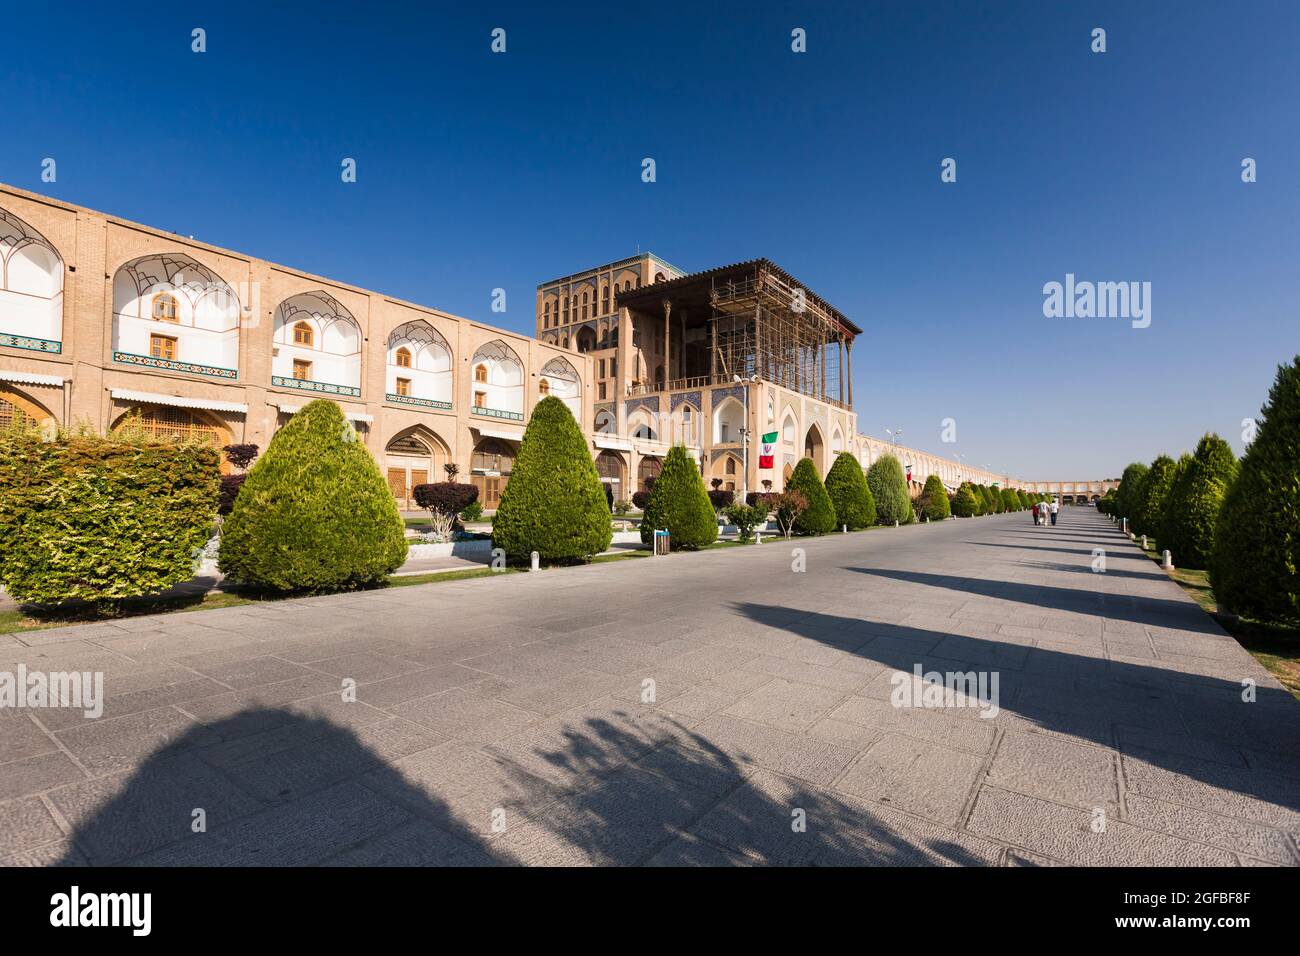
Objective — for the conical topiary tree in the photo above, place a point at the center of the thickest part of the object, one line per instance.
(554, 503)
(1010, 500)
(1151, 495)
(888, 487)
(934, 500)
(314, 513)
(989, 499)
(964, 503)
(1191, 509)
(1129, 491)
(1255, 570)
(849, 493)
(819, 516)
(679, 503)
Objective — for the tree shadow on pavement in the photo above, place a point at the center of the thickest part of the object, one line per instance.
(1194, 725)
(632, 786)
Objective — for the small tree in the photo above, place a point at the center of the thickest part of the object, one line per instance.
(850, 494)
(1149, 506)
(934, 500)
(315, 513)
(746, 518)
(964, 503)
(445, 500)
(788, 506)
(679, 503)
(1256, 566)
(889, 490)
(1192, 509)
(819, 515)
(554, 503)
(1129, 491)
(1010, 500)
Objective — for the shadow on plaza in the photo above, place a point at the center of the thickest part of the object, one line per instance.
(278, 788)
(1158, 612)
(1164, 721)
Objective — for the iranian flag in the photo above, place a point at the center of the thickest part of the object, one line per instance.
(767, 454)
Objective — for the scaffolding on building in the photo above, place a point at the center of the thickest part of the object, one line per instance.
(765, 325)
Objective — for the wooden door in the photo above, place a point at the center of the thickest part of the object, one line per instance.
(419, 476)
(397, 484)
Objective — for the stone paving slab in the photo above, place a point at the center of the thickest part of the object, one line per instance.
(702, 709)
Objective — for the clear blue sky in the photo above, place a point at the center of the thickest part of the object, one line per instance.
(478, 170)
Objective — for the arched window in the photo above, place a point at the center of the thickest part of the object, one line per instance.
(402, 357)
(544, 387)
(480, 373)
(164, 308)
(303, 334)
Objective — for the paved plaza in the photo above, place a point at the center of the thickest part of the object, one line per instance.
(711, 708)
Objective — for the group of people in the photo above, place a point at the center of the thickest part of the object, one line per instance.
(1043, 511)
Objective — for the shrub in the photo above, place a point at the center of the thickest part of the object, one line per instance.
(849, 493)
(746, 518)
(1010, 500)
(889, 491)
(1126, 496)
(554, 503)
(473, 511)
(934, 500)
(788, 506)
(314, 514)
(988, 504)
(229, 490)
(720, 498)
(964, 502)
(622, 506)
(242, 455)
(679, 503)
(640, 499)
(1191, 508)
(818, 517)
(83, 517)
(1255, 569)
(1150, 497)
(761, 497)
(445, 497)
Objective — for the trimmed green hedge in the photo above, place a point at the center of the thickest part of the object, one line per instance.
(888, 487)
(1191, 508)
(679, 503)
(850, 494)
(819, 516)
(84, 517)
(964, 502)
(1255, 569)
(934, 500)
(314, 514)
(554, 503)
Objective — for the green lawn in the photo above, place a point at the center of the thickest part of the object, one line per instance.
(1274, 646)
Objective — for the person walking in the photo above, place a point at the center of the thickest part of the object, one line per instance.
(1054, 509)
(1035, 514)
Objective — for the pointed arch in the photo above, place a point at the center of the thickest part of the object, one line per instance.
(564, 383)
(31, 288)
(331, 362)
(728, 420)
(498, 388)
(172, 312)
(419, 366)
(18, 406)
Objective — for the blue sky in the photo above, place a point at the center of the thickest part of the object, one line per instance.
(478, 170)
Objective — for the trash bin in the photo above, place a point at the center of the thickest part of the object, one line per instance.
(662, 542)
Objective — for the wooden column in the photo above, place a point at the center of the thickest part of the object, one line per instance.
(668, 360)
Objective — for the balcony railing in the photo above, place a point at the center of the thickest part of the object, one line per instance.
(497, 413)
(11, 341)
(416, 401)
(279, 381)
(170, 365)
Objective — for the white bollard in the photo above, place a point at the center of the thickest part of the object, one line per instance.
(895, 522)
(537, 561)
(1168, 563)
(1144, 542)
(758, 537)
(844, 529)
